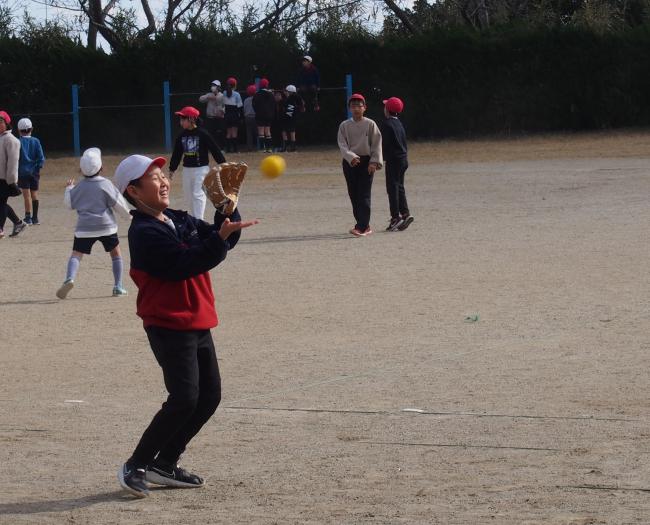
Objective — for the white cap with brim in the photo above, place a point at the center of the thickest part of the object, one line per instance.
(216, 83)
(24, 124)
(134, 167)
(91, 162)
(307, 58)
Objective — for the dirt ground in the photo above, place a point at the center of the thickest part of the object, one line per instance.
(535, 413)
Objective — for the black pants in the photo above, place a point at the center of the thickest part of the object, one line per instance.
(216, 127)
(5, 209)
(359, 189)
(189, 364)
(309, 95)
(395, 170)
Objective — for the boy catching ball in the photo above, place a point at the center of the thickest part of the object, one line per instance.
(172, 253)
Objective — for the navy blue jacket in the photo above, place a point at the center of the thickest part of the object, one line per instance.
(170, 268)
(393, 139)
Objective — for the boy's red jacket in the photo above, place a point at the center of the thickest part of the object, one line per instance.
(170, 268)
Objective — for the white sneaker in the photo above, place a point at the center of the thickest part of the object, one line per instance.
(118, 291)
(62, 292)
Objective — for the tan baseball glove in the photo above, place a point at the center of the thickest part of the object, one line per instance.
(223, 184)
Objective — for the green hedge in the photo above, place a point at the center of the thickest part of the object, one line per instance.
(454, 82)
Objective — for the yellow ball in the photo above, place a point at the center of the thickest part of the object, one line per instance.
(273, 166)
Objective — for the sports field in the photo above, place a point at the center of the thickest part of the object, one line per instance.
(487, 365)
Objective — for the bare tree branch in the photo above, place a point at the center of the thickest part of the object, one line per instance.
(402, 15)
(267, 21)
(151, 21)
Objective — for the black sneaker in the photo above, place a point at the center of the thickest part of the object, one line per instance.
(172, 476)
(407, 222)
(394, 223)
(133, 480)
(18, 227)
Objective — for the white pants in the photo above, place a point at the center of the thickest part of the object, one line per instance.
(193, 191)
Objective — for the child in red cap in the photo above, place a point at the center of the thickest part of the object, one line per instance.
(249, 117)
(264, 106)
(9, 158)
(395, 155)
(193, 145)
(359, 140)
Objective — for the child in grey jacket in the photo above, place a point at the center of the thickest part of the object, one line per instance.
(94, 199)
(9, 154)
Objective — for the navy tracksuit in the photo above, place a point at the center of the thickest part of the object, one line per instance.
(396, 163)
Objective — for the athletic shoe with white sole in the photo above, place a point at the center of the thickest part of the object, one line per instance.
(133, 480)
(394, 223)
(172, 476)
(406, 223)
(358, 233)
(67, 285)
(18, 227)
(118, 291)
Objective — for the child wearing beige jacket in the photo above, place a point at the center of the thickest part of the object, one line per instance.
(359, 140)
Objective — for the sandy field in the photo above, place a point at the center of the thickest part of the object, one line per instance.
(355, 389)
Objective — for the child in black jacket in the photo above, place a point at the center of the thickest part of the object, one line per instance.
(396, 160)
(194, 145)
(265, 112)
(171, 255)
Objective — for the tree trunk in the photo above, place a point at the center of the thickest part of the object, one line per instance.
(92, 36)
(402, 15)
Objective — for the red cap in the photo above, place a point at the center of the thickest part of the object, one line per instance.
(394, 105)
(357, 96)
(231, 80)
(5, 116)
(264, 83)
(251, 90)
(188, 111)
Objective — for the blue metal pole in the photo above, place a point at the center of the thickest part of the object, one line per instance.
(348, 92)
(168, 116)
(75, 120)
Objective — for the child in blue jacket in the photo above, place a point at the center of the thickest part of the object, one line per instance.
(171, 255)
(30, 165)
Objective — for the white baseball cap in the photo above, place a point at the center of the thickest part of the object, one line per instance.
(24, 123)
(291, 88)
(91, 162)
(307, 58)
(133, 167)
(216, 83)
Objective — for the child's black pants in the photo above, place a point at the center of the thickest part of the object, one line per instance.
(359, 183)
(5, 209)
(191, 373)
(395, 170)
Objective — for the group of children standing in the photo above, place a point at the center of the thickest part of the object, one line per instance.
(261, 111)
(365, 147)
(21, 161)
